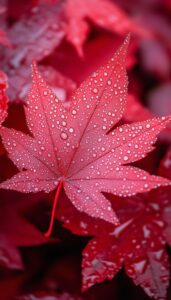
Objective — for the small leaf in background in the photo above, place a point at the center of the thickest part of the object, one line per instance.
(103, 13)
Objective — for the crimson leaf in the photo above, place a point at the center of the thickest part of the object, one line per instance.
(74, 148)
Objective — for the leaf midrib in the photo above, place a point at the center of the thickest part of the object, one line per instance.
(48, 126)
(88, 122)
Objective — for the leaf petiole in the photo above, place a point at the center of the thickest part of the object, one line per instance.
(49, 231)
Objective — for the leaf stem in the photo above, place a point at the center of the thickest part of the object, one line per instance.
(49, 231)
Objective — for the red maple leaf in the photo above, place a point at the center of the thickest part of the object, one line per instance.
(103, 13)
(138, 243)
(77, 149)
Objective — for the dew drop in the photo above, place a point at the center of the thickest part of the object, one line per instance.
(71, 130)
(125, 158)
(74, 112)
(95, 90)
(64, 136)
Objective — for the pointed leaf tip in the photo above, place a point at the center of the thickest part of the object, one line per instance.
(34, 68)
(126, 41)
(121, 53)
(34, 64)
